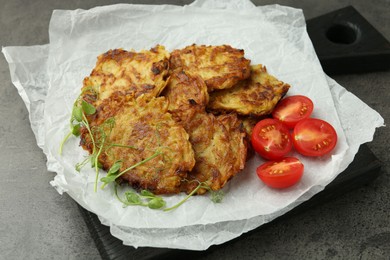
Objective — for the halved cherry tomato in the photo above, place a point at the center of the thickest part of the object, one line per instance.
(271, 139)
(293, 109)
(314, 137)
(282, 173)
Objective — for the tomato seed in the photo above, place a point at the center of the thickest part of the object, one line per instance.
(303, 110)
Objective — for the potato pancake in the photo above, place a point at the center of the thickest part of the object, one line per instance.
(132, 130)
(221, 67)
(133, 73)
(256, 96)
(218, 141)
(220, 150)
(184, 93)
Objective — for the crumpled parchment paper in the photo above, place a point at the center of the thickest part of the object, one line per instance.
(49, 78)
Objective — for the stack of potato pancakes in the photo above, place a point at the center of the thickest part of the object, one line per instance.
(195, 107)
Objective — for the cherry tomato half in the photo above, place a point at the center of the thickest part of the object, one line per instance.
(282, 173)
(271, 139)
(314, 137)
(293, 109)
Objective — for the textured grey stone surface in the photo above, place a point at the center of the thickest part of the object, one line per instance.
(38, 223)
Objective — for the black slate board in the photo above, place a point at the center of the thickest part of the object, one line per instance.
(337, 55)
(364, 169)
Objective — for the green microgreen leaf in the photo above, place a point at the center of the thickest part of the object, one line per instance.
(76, 130)
(156, 203)
(147, 193)
(115, 168)
(133, 198)
(107, 179)
(112, 172)
(77, 113)
(88, 108)
(217, 196)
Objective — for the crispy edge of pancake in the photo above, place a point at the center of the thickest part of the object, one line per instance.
(256, 96)
(146, 125)
(221, 67)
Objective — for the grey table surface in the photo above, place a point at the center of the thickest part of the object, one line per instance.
(38, 223)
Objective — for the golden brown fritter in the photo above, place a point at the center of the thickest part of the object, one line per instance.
(220, 150)
(185, 92)
(218, 141)
(133, 73)
(133, 130)
(220, 67)
(256, 96)
(185, 144)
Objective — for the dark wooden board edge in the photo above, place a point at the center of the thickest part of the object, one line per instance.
(364, 169)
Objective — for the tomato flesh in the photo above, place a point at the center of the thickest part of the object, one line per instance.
(314, 137)
(282, 173)
(293, 109)
(271, 139)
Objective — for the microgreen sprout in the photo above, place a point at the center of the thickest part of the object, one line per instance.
(148, 199)
(216, 196)
(201, 185)
(87, 108)
(81, 164)
(144, 198)
(114, 175)
(78, 118)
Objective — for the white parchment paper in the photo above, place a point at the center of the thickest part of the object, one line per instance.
(49, 78)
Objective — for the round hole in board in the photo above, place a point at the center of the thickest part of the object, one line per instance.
(343, 33)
